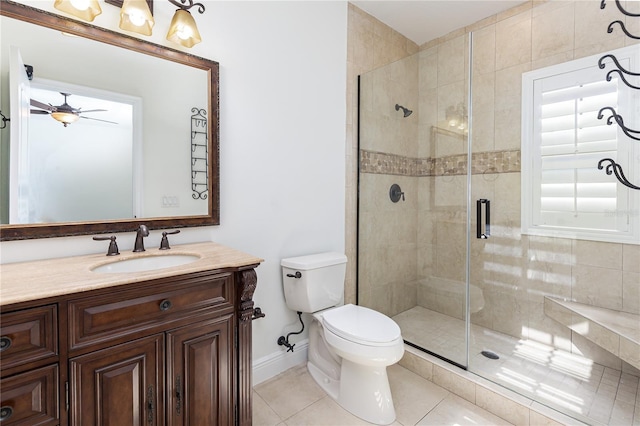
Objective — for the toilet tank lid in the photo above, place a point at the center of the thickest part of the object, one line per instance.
(314, 261)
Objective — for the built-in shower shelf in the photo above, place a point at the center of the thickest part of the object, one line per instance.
(616, 332)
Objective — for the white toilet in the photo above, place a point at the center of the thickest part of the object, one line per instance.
(350, 346)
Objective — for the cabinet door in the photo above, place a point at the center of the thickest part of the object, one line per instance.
(28, 335)
(200, 374)
(30, 398)
(121, 385)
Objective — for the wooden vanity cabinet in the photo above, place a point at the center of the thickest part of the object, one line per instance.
(169, 351)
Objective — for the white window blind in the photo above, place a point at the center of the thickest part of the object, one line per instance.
(564, 193)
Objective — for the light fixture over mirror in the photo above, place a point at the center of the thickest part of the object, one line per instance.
(183, 29)
(83, 9)
(136, 16)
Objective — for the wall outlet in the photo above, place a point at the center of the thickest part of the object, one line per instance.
(170, 201)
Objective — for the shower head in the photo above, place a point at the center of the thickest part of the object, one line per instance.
(406, 111)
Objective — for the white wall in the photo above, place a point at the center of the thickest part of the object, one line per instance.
(282, 143)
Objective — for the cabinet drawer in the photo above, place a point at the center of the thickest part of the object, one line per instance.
(30, 398)
(28, 335)
(122, 313)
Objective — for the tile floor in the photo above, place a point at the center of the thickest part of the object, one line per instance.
(570, 383)
(293, 398)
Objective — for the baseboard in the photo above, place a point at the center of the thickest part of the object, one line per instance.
(271, 365)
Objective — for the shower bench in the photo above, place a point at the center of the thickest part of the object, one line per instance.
(616, 332)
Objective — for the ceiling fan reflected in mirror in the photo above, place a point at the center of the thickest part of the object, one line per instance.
(65, 113)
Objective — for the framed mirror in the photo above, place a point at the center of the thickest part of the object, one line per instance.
(174, 152)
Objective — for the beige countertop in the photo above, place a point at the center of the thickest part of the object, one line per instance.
(26, 281)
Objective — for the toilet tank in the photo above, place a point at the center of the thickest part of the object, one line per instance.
(320, 284)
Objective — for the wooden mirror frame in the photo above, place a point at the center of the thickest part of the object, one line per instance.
(60, 23)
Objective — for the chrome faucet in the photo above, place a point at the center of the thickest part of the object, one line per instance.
(142, 232)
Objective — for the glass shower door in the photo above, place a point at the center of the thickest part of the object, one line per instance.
(412, 262)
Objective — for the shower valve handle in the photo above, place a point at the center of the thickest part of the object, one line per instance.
(395, 193)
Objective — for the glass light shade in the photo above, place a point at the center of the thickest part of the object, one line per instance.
(183, 29)
(83, 9)
(65, 117)
(135, 16)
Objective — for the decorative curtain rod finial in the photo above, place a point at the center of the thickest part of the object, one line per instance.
(618, 118)
(184, 6)
(615, 168)
(620, 8)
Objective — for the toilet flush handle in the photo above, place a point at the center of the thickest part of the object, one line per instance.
(298, 274)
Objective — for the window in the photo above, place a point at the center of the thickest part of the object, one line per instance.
(563, 191)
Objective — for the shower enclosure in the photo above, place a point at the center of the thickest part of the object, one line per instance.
(440, 247)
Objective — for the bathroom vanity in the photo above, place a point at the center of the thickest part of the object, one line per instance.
(82, 345)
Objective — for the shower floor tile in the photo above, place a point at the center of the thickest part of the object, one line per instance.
(569, 383)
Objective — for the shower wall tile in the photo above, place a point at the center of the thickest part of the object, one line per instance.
(597, 286)
(483, 107)
(631, 258)
(595, 253)
(370, 44)
(547, 279)
(484, 51)
(388, 260)
(450, 255)
(547, 61)
(479, 25)
(543, 329)
(508, 186)
(451, 55)
(631, 292)
(590, 26)
(513, 41)
(428, 66)
(508, 106)
(447, 143)
(552, 29)
(515, 10)
(509, 306)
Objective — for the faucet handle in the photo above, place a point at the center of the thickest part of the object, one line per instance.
(164, 243)
(113, 247)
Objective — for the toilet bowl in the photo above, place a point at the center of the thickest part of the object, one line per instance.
(358, 344)
(350, 347)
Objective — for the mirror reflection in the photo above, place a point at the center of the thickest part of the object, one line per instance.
(128, 153)
(98, 147)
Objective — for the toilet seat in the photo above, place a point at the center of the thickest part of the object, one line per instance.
(361, 325)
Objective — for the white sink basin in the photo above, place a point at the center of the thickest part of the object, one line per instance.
(146, 263)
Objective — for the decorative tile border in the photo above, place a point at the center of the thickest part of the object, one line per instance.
(481, 162)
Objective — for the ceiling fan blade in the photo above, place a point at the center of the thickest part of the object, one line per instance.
(97, 119)
(42, 105)
(91, 110)
(39, 111)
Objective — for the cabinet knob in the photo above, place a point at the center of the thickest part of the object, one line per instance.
(5, 343)
(5, 413)
(165, 305)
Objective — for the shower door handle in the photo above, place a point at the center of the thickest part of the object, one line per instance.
(487, 219)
